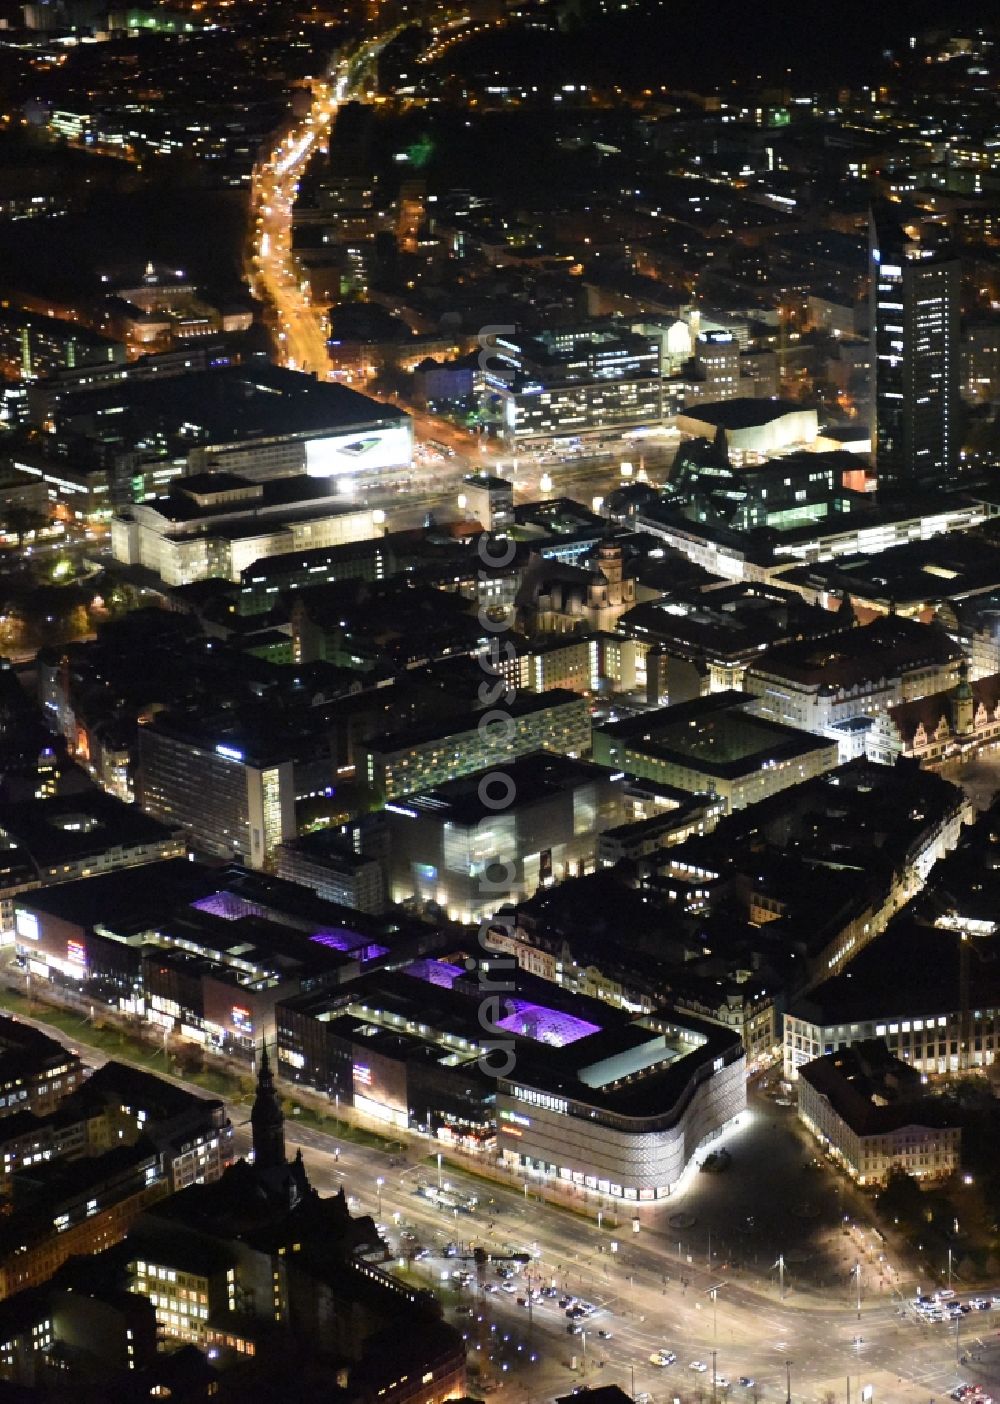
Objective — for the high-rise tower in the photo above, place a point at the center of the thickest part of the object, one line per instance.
(267, 1120)
(915, 307)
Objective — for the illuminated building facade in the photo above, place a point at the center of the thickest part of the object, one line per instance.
(400, 764)
(325, 863)
(201, 952)
(714, 745)
(258, 422)
(859, 673)
(231, 804)
(593, 1096)
(219, 524)
(640, 1108)
(905, 989)
(182, 1296)
(916, 359)
(33, 345)
(80, 1208)
(866, 1108)
(36, 1071)
(547, 833)
(569, 382)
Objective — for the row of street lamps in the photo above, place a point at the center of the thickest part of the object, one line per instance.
(712, 1292)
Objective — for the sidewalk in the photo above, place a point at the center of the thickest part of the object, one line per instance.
(345, 1122)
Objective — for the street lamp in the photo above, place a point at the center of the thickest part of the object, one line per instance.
(379, 1182)
(439, 1169)
(713, 1292)
(788, 1382)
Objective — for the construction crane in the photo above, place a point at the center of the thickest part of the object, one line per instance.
(967, 947)
(969, 932)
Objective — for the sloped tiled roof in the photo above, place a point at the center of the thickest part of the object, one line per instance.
(929, 711)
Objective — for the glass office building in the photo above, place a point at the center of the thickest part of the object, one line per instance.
(915, 309)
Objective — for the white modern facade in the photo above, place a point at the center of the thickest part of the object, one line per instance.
(929, 1043)
(856, 534)
(183, 551)
(614, 1142)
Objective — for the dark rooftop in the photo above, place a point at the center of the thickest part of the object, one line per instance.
(236, 403)
(573, 1046)
(523, 705)
(534, 778)
(289, 495)
(956, 565)
(712, 734)
(742, 412)
(855, 656)
(600, 1394)
(732, 620)
(911, 970)
(872, 1091)
(67, 828)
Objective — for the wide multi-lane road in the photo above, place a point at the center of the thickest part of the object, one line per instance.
(300, 339)
(650, 1293)
(647, 1300)
(301, 342)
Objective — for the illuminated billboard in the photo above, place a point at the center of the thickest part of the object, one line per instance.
(367, 451)
(380, 1087)
(235, 1013)
(27, 925)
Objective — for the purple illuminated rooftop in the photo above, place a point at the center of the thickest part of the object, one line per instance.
(229, 906)
(350, 942)
(544, 1025)
(526, 1019)
(435, 972)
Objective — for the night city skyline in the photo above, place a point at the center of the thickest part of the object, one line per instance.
(499, 702)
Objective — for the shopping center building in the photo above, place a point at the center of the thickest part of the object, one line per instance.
(621, 1111)
(559, 1087)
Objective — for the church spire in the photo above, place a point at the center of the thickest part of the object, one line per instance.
(267, 1120)
(963, 703)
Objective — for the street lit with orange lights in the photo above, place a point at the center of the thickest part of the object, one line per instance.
(434, 483)
(298, 326)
